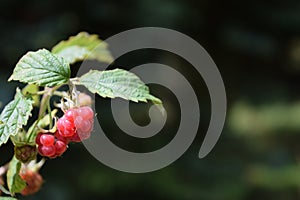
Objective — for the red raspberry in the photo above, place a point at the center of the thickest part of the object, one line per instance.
(33, 180)
(85, 112)
(38, 139)
(48, 151)
(76, 124)
(66, 127)
(70, 114)
(47, 139)
(75, 138)
(61, 138)
(60, 147)
(51, 145)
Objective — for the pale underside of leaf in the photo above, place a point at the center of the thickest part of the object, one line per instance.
(83, 46)
(41, 68)
(117, 83)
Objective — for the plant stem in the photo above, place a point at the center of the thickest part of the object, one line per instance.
(49, 113)
(45, 105)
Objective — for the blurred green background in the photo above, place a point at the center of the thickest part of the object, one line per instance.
(256, 46)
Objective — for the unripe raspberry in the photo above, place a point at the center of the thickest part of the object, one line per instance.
(25, 153)
(84, 99)
(33, 180)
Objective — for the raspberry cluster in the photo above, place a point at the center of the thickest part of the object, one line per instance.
(49, 145)
(76, 125)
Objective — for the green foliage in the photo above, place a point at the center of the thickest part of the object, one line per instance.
(83, 46)
(4, 190)
(14, 116)
(267, 119)
(31, 90)
(7, 198)
(41, 68)
(45, 72)
(117, 83)
(14, 182)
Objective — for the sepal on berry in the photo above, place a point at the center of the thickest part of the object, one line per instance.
(25, 153)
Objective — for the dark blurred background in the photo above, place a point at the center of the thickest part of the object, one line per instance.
(255, 44)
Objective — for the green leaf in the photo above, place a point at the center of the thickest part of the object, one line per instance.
(14, 115)
(14, 182)
(83, 46)
(7, 198)
(4, 190)
(32, 89)
(117, 83)
(41, 68)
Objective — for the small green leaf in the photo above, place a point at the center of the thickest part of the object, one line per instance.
(4, 190)
(14, 182)
(117, 83)
(32, 89)
(41, 68)
(83, 46)
(14, 115)
(7, 198)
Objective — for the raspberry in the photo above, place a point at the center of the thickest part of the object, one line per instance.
(66, 127)
(75, 138)
(50, 145)
(38, 139)
(70, 114)
(85, 112)
(25, 153)
(47, 139)
(77, 123)
(33, 180)
(84, 99)
(60, 147)
(47, 150)
(61, 138)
